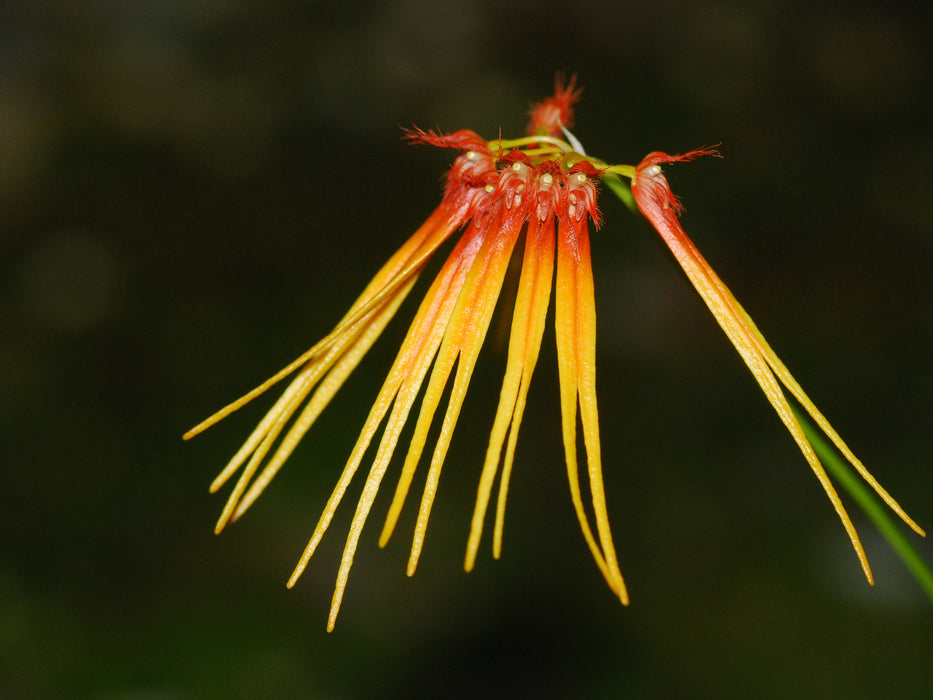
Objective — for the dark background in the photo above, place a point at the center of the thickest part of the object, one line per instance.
(192, 193)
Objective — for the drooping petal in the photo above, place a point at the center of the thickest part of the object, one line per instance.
(335, 378)
(352, 337)
(400, 268)
(575, 324)
(332, 359)
(398, 392)
(794, 387)
(656, 201)
(465, 181)
(462, 342)
(528, 319)
(346, 353)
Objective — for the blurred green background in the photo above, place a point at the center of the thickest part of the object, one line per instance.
(192, 193)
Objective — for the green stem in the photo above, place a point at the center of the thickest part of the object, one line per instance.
(621, 190)
(869, 503)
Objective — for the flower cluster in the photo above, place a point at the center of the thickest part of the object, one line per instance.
(544, 186)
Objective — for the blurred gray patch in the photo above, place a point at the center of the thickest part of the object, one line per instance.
(70, 281)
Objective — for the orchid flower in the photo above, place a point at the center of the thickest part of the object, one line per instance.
(544, 186)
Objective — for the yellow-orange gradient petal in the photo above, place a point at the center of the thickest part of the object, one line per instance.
(461, 346)
(575, 325)
(794, 387)
(399, 391)
(652, 194)
(528, 318)
(343, 347)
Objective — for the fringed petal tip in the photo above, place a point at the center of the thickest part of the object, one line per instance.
(551, 116)
(463, 140)
(658, 157)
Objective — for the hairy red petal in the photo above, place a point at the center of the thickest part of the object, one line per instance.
(464, 140)
(650, 187)
(548, 116)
